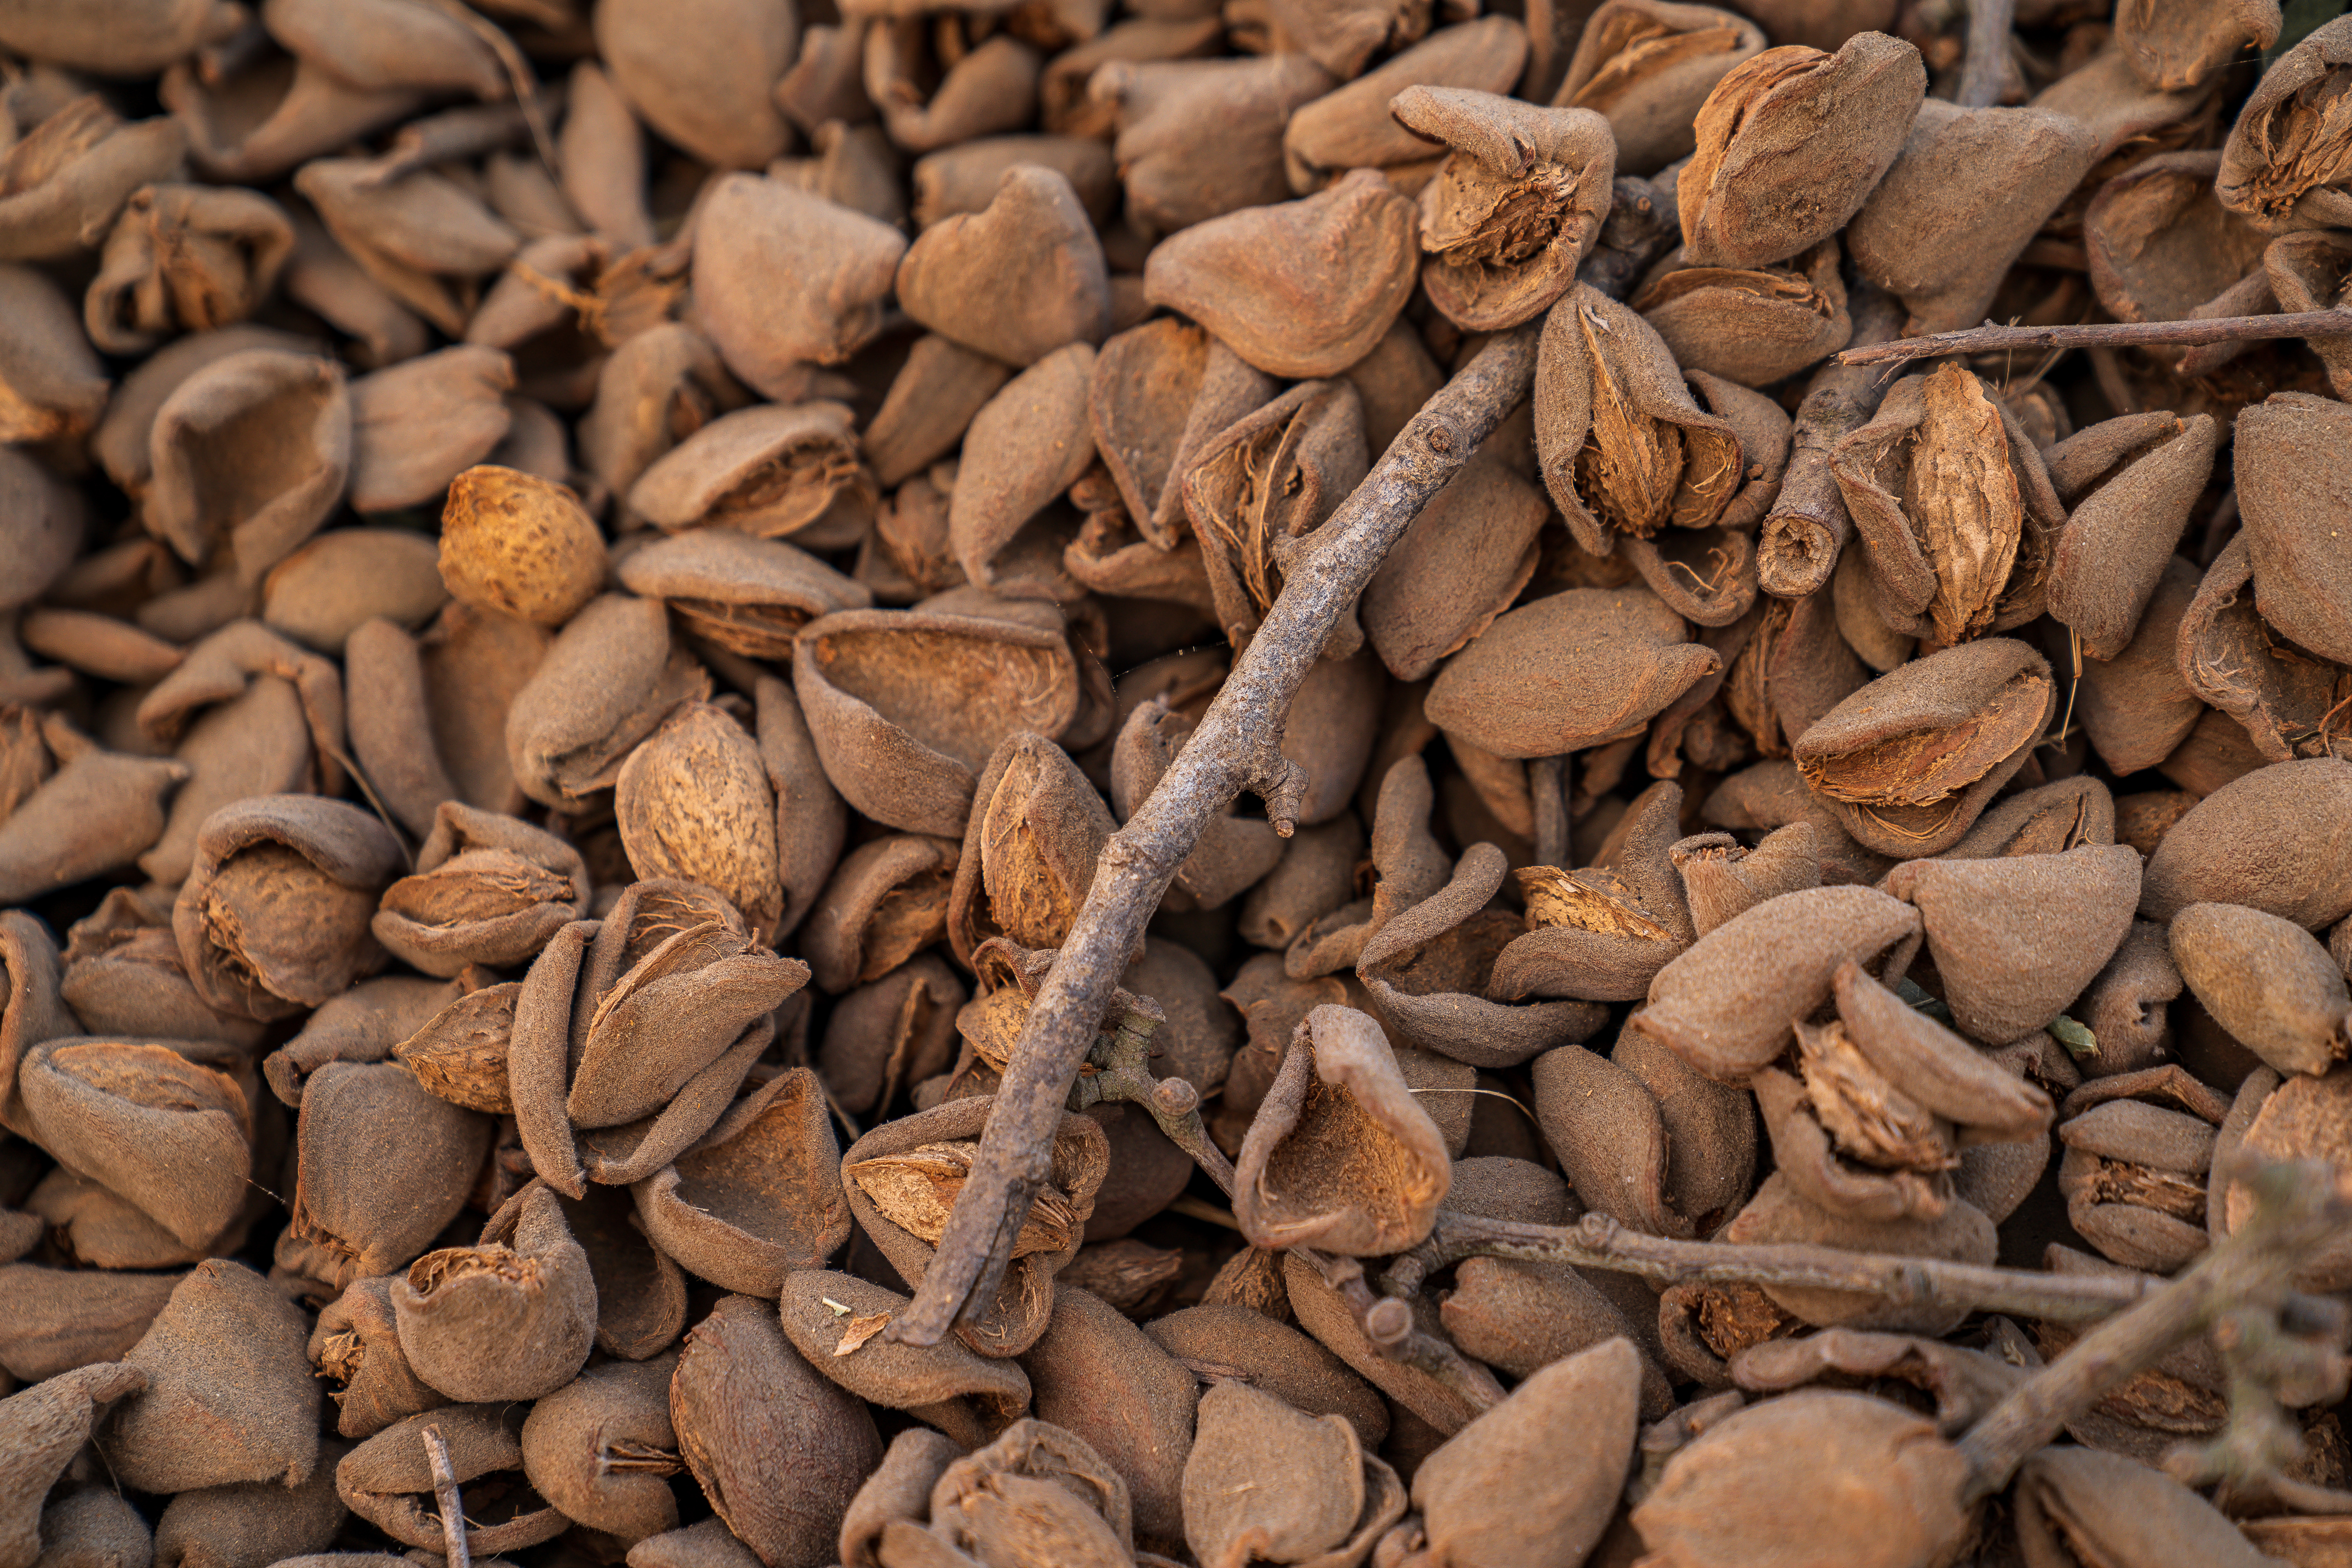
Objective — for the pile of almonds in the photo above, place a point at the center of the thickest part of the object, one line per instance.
(586, 586)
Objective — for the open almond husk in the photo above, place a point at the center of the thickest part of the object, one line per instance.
(834, 1321)
(1625, 449)
(1601, 932)
(607, 681)
(509, 1318)
(2163, 248)
(771, 470)
(123, 975)
(1648, 66)
(758, 1197)
(355, 1346)
(1765, 184)
(1753, 325)
(906, 706)
(1038, 1487)
(1350, 128)
(887, 900)
(223, 472)
(669, 998)
(1328, 1503)
(891, 1033)
(1199, 138)
(488, 890)
(1954, 505)
(75, 171)
(382, 1166)
(1910, 761)
(388, 1479)
(2118, 539)
(184, 258)
(901, 1180)
(2288, 160)
(1514, 209)
(99, 809)
(785, 281)
(1300, 289)
(601, 1449)
(1341, 1156)
(2302, 1119)
(2140, 1153)
(51, 385)
(422, 237)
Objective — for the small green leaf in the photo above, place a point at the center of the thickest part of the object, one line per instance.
(2080, 1043)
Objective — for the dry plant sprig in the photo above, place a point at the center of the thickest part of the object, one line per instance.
(445, 1496)
(1992, 338)
(1237, 747)
(1981, 76)
(1808, 525)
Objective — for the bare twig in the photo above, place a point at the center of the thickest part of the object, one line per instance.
(1388, 1323)
(1548, 785)
(2296, 1208)
(444, 1495)
(1988, 338)
(1237, 747)
(1808, 525)
(1988, 61)
(1600, 1242)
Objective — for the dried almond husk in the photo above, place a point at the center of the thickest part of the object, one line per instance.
(224, 470)
(2235, 847)
(772, 471)
(1325, 1493)
(2268, 982)
(1648, 65)
(229, 1394)
(60, 1318)
(1299, 288)
(2286, 698)
(896, 1497)
(511, 1318)
(785, 281)
(1342, 35)
(2134, 1173)
(347, 577)
(811, 820)
(44, 1427)
(1751, 325)
(381, 1165)
(1024, 1303)
(2289, 157)
(51, 385)
(1765, 184)
(1256, 493)
(1040, 1493)
(2302, 1119)
(693, 804)
(1199, 138)
(961, 181)
(1458, 564)
(422, 237)
(891, 1033)
(1515, 208)
(97, 810)
(758, 1197)
(1100, 1378)
(834, 1321)
(1350, 128)
(1625, 449)
(938, 84)
(72, 172)
(2295, 479)
(601, 1449)
(2162, 245)
(1954, 506)
(2175, 47)
(715, 103)
(1603, 931)
(887, 900)
(916, 1190)
(653, 392)
(1024, 447)
(607, 681)
(2073, 1502)
(388, 1480)
(488, 890)
(952, 279)
(2117, 543)
(186, 258)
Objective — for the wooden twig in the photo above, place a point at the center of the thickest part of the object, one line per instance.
(1237, 747)
(445, 1494)
(2330, 323)
(1808, 525)
(1600, 1242)
(1988, 61)
(2296, 1210)
(1388, 1323)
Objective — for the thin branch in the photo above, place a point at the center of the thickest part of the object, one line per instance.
(1808, 525)
(1600, 1242)
(2296, 1209)
(1988, 62)
(445, 1494)
(1988, 338)
(1388, 1323)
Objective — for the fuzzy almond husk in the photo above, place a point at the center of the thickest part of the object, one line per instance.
(1934, 1068)
(41, 1429)
(811, 820)
(1097, 1376)
(887, 900)
(1954, 506)
(99, 809)
(1333, 725)
(601, 1448)
(1514, 209)
(1331, 1502)
(2267, 840)
(2306, 272)
(73, 172)
(388, 1480)
(771, 470)
(654, 391)
(1323, 1313)
(1910, 761)
(2161, 245)
(608, 680)
(2303, 1118)
(784, 280)
(60, 1318)
(961, 181)
(1624, 448)
(384, 1165)
(186, 259)
(487, 889)
(509, 1318)
(640, 1292)
(1751, 325)
(1199, 138)
(1146, 382)
(519, 545)
(2268, 982)
(2068, 1500)
(1476, 1504)
(1025, 446)
(970, 1396)
(1342, 35)
(229, 1394)
(2017, 938)
(240, 1525)
(930, 100)
(356, 1344)
(1459, 564)
(744, 1402)
(2175, 47)
(906, 706)
(1566, 672)
(2230, 656)
(1351, 129)
(1601, 933)
(1301, 288)
(271, 493)
(2296, 475)
(898, 1492)
(2288, 161)
(347, 577)
(759, 1196)
(1722, 882)
(1039, 1493)
(919, 1191)
(1895, 1484)
(1428, 973)
(2134, 1175)
(715, 103)
(51, 384)
(1724, 1006)
(1969, 192)
(1778, 1213)
(693, 804)
(953, 279)
(1648, 66)
(422, 239)
(1848, 1140)
(1281, 1360)
(362, 1024)
(2119, 538)
(891, 1034)
(1765, 183)
(1340, 1155)
(1257, 492)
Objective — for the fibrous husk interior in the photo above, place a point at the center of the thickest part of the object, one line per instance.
(2306, 141)
(1866, 1116)
(1923, 766)
(916, 1190)
(479, 885)
(1962, 499)
(1590, 898)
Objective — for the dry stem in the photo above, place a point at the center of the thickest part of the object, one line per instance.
(1237, 747)
(1990, 338)
(1808, 525)
(445, 1494)
(1988, 60)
